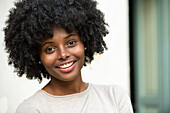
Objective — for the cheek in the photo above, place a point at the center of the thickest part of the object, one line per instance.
(81, 54)
(47, 59)
(78, 51)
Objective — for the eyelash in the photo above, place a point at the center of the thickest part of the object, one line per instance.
(52, 49)
(72, 41)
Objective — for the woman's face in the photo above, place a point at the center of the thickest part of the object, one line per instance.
(63, 55)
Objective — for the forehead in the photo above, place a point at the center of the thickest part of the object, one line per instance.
(60, 33)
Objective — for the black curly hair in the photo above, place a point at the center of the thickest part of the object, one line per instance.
(32, 20)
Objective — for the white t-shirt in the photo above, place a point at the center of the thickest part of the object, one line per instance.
(95, 99)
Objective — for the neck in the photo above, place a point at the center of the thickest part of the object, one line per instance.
(56, 87)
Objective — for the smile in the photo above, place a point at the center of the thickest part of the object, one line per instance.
(66, 65)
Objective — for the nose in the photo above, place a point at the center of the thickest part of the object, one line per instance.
(63, 53)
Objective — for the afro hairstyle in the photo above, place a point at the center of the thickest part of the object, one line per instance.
(30, 21)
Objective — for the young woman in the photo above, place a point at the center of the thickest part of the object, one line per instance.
(53, 39)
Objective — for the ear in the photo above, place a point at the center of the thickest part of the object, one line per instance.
(40, 62)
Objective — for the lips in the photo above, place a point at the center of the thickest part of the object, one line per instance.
(67, 66)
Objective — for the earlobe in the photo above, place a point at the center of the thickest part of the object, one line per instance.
(40, 62)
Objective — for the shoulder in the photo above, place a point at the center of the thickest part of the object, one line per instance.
(29, 105)
(115, 89)
(116, 94)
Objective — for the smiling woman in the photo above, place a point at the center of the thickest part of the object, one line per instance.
(63, 55)
(53, 39)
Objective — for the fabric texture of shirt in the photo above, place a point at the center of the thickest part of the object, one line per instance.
(95, 99)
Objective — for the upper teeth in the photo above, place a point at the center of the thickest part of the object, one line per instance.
(66, 65)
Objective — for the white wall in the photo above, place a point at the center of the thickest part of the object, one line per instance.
(110, 68)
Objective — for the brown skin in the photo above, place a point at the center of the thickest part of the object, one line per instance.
(61, 49)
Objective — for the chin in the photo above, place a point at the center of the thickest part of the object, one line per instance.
(66, 77)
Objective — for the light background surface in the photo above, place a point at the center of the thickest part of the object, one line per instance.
(110, 68)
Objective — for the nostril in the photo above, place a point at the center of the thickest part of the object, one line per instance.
(67, 56)
(63, 53)
(63, 57)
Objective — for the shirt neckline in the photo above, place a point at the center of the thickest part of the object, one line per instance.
(69, 95)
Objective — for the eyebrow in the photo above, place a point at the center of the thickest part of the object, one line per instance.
(72, 34)
(47, 43)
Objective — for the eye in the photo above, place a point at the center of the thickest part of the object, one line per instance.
(50, 50)
(71, 43)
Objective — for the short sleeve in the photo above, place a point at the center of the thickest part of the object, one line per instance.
(27, 107)
(123, 100)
